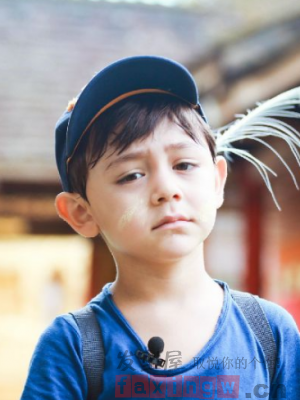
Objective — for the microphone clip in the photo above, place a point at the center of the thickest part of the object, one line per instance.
(156, 361)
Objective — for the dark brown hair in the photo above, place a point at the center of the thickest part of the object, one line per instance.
(130, 120)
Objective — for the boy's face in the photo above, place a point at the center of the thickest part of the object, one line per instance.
(165, 175)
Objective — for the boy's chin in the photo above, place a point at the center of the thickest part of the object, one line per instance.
(175, 251)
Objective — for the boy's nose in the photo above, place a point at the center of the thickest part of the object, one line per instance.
(166, 191)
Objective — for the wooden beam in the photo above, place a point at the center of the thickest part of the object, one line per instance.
(103, 267)
(280, 76)
(253, 237)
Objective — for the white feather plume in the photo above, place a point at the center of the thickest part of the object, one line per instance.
(260, 123)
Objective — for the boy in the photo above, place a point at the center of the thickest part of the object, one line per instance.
(138, 166)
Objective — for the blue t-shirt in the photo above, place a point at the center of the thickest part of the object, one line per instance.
(230, 365)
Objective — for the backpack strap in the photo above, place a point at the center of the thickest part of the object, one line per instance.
(92, 350)
(259, 324)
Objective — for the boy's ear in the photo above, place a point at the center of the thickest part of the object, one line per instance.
(73, 209)
(220, 179)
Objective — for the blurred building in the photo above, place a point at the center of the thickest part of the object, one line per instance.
(49, 50)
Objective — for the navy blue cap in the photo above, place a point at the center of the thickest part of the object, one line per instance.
(124, 78)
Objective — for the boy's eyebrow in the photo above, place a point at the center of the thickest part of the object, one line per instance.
(135, 155)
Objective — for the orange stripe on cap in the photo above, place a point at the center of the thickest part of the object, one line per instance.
(116, 100)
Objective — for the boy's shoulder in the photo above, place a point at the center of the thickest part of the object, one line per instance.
(278, 317)
(273, 326)
(63, 323)
(280, 320)
(56, 364)
(61, 334)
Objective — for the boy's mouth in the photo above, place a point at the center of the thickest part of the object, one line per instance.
(169, 219)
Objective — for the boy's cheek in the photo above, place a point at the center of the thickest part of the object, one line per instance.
(207, 212)
(134, 211)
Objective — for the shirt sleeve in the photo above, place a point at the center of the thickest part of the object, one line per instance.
(286, 381)
(56, 370)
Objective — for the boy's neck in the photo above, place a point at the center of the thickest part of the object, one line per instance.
(182, 280)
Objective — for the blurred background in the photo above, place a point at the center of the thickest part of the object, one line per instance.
(240, 52)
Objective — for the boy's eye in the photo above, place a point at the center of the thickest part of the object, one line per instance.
(183, 166)
(130, 177)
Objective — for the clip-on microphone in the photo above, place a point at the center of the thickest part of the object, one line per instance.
(156, 347)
